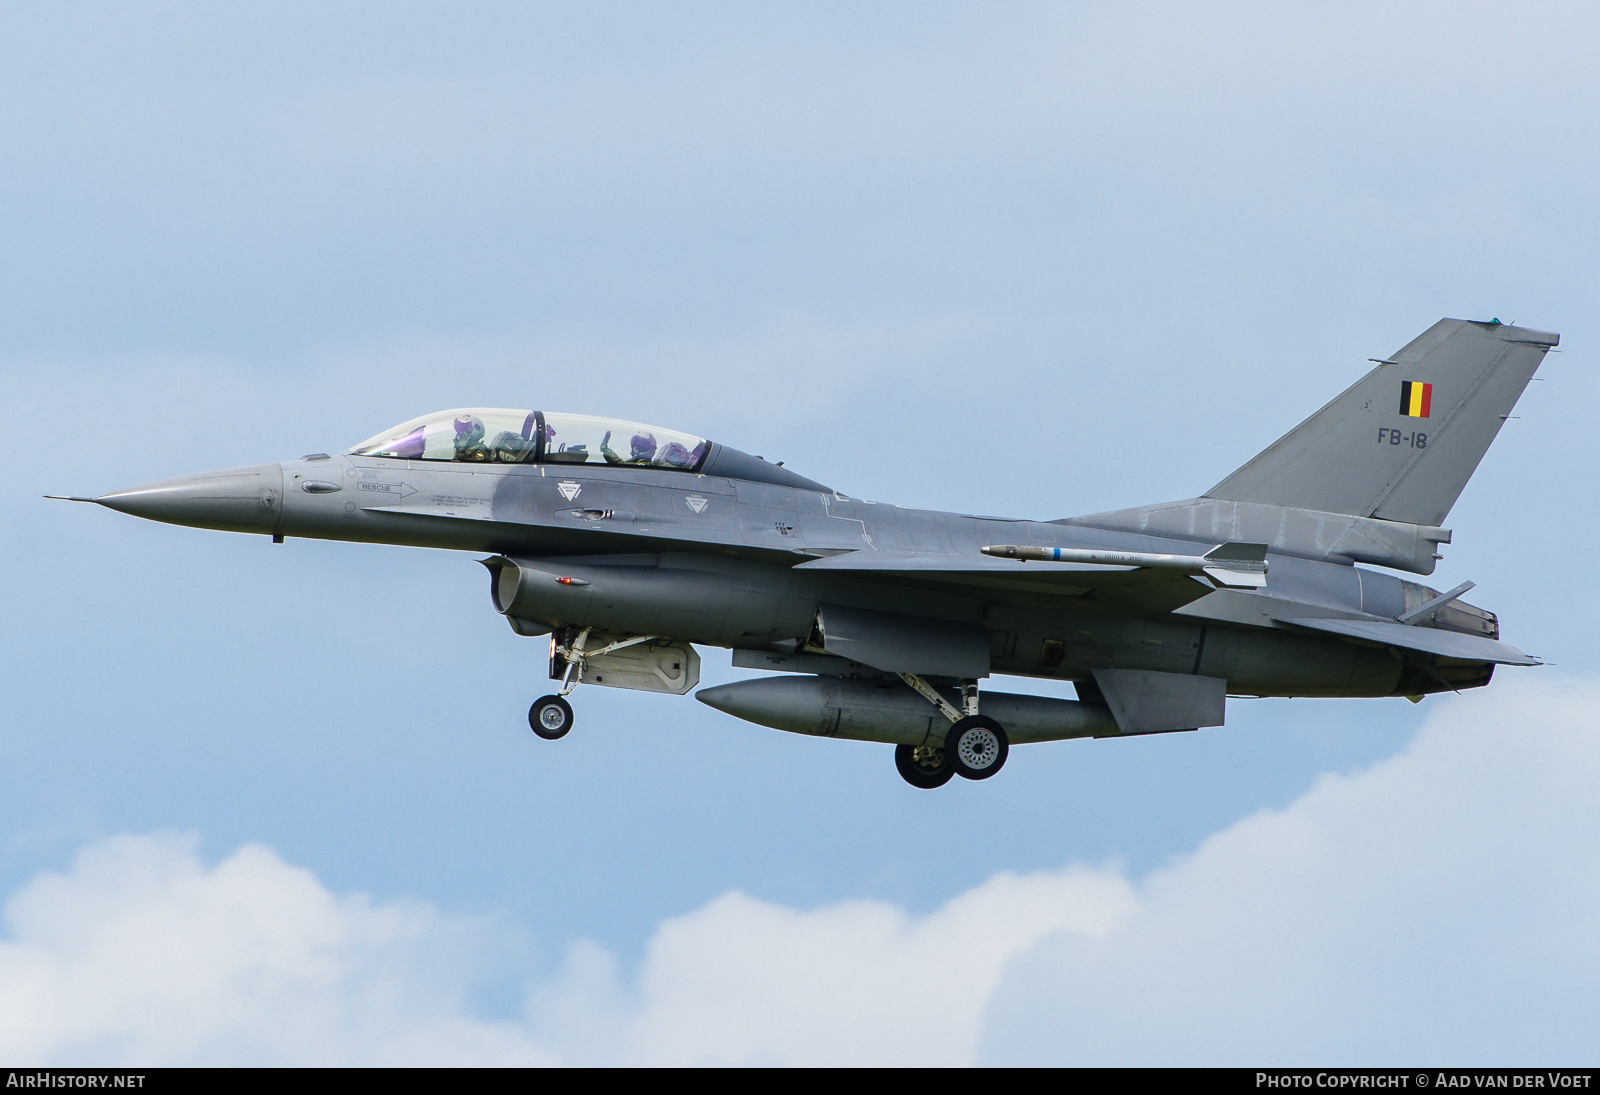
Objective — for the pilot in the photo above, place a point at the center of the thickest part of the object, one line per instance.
(513, 448)
(469, 439)
(510, 448)
(642, 446)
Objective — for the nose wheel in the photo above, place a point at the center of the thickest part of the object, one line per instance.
(550, 717)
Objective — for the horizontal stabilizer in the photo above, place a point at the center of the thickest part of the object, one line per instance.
(1426, 640)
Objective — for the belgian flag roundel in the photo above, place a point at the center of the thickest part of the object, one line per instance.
(1416, 399)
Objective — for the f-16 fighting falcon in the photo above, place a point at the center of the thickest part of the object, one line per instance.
(630, 545)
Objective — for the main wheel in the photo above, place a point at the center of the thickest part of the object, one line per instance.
(550, 717)
(977, 747)
(931, 771)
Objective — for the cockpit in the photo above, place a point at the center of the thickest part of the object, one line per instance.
(496, 435)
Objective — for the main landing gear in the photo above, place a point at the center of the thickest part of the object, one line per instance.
(923, 765)
(975, 746)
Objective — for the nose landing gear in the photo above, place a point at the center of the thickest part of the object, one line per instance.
(551, 716)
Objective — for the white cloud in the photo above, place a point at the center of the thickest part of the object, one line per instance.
(742, 981)
(1441, 905)
(140, 954)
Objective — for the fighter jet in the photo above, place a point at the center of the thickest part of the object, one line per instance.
(628, 546)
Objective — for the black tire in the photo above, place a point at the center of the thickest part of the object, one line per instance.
(924, 776)
(550, 717)
(976, 747)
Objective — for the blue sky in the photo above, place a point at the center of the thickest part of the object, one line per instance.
(1037, 261)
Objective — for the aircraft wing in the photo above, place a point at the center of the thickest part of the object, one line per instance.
(1126, 588)
(928, 562)
(1426, 640)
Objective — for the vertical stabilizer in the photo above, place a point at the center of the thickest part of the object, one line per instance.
(1401, 443)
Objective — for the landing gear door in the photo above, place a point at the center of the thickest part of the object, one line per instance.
(673, 668)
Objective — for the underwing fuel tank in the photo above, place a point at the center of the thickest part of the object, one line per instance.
(889, 711)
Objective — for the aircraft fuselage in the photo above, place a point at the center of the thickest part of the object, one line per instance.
(715, 561)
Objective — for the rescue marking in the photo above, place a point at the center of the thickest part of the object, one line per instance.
(696, 503)
(400, 489)
(569, 490)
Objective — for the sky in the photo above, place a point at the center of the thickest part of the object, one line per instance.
(278, 804)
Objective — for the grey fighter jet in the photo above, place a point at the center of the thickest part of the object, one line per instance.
(629, 545)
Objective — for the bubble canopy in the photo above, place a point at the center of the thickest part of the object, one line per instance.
(497, 435)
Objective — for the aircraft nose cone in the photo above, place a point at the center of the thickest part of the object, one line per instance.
(236, 500)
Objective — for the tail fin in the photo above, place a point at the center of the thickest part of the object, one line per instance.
(1401, 443)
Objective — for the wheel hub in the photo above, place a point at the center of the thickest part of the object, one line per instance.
(978, 748)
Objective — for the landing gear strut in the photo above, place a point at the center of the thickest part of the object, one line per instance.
(975, 746)
(551, 716)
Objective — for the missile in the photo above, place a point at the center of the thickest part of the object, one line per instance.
(1232, 565)
(888, 710)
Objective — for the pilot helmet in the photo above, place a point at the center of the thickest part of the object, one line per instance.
(469, 438)
(644, 446)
